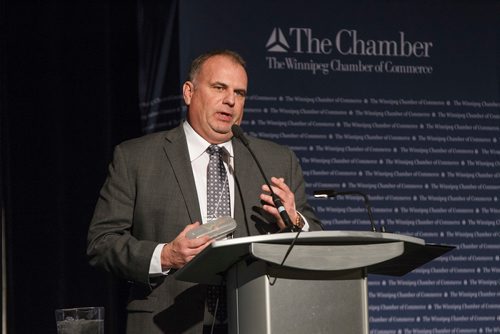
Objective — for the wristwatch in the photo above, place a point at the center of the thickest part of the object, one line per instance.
(299, 221)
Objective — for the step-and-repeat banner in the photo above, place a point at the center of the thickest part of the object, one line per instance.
(396, 99)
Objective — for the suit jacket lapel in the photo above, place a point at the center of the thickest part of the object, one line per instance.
(175, 148)
(244, 167)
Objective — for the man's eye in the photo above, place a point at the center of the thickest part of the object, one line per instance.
(219, 88)
(241, 93)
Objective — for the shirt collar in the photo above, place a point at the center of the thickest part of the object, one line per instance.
(197, 145)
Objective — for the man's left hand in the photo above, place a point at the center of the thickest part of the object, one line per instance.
(285, 194)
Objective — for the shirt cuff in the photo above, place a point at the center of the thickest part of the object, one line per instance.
(155, 268)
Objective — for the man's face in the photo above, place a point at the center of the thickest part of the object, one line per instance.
(215, 98)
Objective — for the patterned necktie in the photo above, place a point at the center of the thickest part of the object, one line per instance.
(218, 205)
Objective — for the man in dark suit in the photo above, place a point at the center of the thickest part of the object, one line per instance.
(156, 192)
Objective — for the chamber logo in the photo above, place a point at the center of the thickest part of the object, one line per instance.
(346, 50)
(277, 42)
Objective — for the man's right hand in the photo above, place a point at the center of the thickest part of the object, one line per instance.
(182, 250)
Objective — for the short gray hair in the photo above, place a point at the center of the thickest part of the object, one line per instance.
(201, 59)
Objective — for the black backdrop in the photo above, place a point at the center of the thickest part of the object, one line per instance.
(69, 88)
(69, 91)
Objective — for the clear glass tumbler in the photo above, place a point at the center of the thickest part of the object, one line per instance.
(80, 320)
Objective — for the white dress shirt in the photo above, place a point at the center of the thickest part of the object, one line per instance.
(197, 147)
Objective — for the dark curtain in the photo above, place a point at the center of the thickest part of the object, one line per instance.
(69, 93)
(159, 76)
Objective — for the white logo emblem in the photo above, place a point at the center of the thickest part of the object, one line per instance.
(277, 42)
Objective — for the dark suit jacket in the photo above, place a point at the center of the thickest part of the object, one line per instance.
(150, 196)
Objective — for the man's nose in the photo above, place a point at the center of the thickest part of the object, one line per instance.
(230, 97)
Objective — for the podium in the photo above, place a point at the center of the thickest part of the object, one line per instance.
(320, 288)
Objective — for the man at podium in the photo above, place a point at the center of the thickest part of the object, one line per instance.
(163, 185)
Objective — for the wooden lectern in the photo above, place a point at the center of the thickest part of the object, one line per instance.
(320, 288)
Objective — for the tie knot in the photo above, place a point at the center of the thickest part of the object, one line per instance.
(214, 150)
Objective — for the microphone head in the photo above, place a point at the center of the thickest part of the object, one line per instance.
(238, 133)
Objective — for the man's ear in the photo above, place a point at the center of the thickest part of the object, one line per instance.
(187, 91)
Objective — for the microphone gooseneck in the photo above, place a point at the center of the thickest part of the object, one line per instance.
(333, 193)
(238, 133)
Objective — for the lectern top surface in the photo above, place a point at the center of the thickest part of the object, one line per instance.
(214, 260)
(322, 237)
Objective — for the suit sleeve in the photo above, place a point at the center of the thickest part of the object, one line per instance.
(111, 245)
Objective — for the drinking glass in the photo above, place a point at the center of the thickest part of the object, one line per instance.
(80, 320)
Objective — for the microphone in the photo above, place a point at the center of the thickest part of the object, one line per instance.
(238, 133)
(333, 193)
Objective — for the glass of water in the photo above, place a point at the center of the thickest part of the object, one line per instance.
(80, 320)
